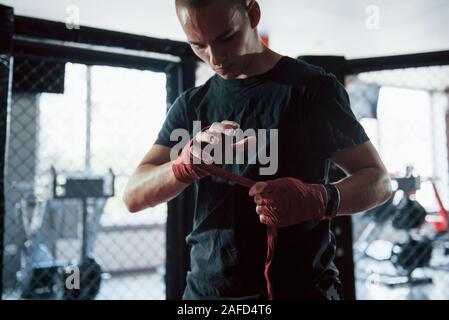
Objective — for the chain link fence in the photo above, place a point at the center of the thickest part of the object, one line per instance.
(77, 131)
(76, 134)
(401, 248)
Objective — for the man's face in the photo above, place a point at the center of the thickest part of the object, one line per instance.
(219, 35)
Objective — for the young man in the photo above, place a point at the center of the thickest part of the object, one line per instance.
(256, 88)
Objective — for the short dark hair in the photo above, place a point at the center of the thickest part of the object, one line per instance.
(241, 4)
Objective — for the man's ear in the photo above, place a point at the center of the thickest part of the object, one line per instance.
(253, 9)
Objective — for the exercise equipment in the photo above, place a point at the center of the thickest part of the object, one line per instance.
(409, 214)
(378, 217)
(442, 224)
(412, 254)
(41, 276)
(90, 281)
(84, 187)
(381, 214)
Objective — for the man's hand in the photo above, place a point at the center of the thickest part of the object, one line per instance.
(195, 154)
(185, 168)
(288, 201)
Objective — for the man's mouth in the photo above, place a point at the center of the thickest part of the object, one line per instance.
(223, 68)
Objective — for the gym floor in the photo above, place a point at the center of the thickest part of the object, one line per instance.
(128, 287)
(371, 286)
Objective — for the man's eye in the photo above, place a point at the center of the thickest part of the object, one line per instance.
(198, 46)
(228, 38)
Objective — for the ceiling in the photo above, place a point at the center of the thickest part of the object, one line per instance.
(295, 27)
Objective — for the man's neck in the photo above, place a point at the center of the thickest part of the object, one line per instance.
(260, 62)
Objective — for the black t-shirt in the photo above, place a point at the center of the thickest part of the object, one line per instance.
(311, 110)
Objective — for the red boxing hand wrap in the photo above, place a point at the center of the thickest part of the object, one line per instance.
(184, 169)
(289, 201)
(286, 202)
(245, 182)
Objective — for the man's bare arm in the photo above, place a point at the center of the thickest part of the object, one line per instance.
(153, 181)
(368, 183)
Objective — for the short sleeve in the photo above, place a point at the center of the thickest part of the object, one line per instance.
(336, 127)
(176, 119)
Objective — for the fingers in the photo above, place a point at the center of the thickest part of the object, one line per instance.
(259, 187)
(261, 200)
(232, 123)
(261, 209)
(212, 135)
(266, 210)
(242, 145)
(258, 199)
(208, 137)
(226, 127)
(201, 155)
(264, 215)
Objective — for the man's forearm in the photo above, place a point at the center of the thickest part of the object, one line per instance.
(363, 190)
(151, 185)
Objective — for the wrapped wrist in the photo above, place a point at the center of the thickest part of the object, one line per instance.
(332, 201)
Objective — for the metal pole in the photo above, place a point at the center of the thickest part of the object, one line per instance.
(88, 118)
(6, 34)
(85, 230)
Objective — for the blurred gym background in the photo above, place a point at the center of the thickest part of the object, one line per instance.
(84, 88)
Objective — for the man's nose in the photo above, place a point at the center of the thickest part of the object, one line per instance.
(216, 56)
